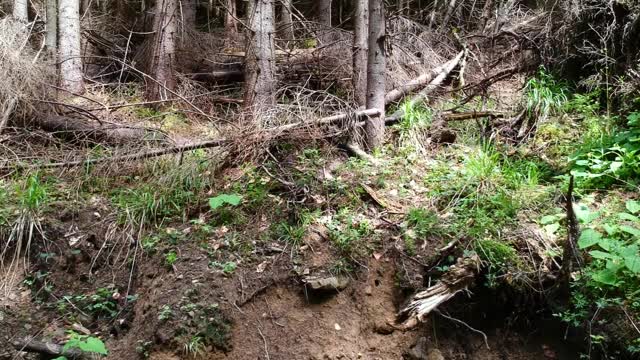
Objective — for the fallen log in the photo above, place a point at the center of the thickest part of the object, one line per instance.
(46, 348)
(433, 85)
(457, 279)
(266, 134)
(77, 129)
(473, 115)
(217, 76)
(422, 80)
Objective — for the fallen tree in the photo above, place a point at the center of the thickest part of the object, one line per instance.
(50, 349)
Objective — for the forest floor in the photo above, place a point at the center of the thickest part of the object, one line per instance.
(169, 259)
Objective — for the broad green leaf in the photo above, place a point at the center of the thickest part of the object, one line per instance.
(588, 238)
(629, 217)
(609, 244)
(584, 214)
(94, 345)
(633, 206)
(597, 254)
(605, 276)
(615, 166)
(549, 219)
(551, 228)
(223, 199)
(630, 230)
(632, 263)
(610, 229)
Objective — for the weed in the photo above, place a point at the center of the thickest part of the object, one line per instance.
(165, 313)
(544, 95)
(170, 258)
(89, 344)
(346, 230)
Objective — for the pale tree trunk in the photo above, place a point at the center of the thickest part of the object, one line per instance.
(259, 92)
(165, 24)
(21, 10)
(432, 17)
(51, 39)
(361, 30)
(376, 68)
(188, 8)
(230, 18)
(71, 76)
(324, 18)
(286, 20)
(450, 8)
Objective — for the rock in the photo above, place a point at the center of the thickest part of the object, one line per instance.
(434, 354)
(368, 290)
(333, 283)
(419, 350)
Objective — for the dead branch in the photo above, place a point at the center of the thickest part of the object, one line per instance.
(457, 279)
(45, 348)
(473, 115)
(432, 86)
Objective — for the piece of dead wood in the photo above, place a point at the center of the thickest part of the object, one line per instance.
(427, 90)
(47, 348)
(457, 279)
(419, 82)
(387, 204)
(459, 116)
(72, 128)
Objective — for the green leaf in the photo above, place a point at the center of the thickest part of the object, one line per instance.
(220, 200)
(630, 230)
(588, 238)
(597, 254)
(551, 228)
(633, 206)
(549, 219)
(584, 214)
(605, 276)
(90, 344)
(629, 217)
(632, 263)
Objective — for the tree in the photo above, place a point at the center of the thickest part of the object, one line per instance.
(361, 30)
(230, 18)
(286, 20)
(71, 76)
(165, 26)
(188, 11)
(376, 68)
(259, 90)
(51, 39)
(324, 17)
(21, 10)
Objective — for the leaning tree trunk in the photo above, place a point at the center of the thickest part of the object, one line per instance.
(20, 10)
(259, 92)
(51, 39)
(188, 12)
(230, 18)
(71, 76)
(361, 30)
(165, 24)
(376, 67)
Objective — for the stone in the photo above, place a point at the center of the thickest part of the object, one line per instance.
(332, 283)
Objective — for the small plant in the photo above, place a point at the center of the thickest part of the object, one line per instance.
(194, 346)
(347, 230)
(165, 313)
(219, 201)
(170, 258)
(89, 344)
(544, 95)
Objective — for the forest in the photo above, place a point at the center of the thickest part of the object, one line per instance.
(320, 179)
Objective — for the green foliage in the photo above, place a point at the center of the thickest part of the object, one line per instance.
(89, 344)
(496, 254)
(170, 258)
(413, 126)
(33, 195)
(219, 201)
(544, 95)
(346, 230)
(227, 268)
(614, 159)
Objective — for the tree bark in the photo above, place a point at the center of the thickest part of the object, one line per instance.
(450, 8)
(230, 18)
(188, 8)
(324, 18)
(361, 30)
(376, 68)
(51, 39)
(21, 10)
(162, 63)
(286, 21)
(71, 75)
(259, 92)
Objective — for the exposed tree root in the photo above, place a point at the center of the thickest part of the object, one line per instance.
(45, 348)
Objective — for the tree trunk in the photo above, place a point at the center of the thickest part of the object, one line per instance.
(230, 18)
(259, 93)
(188, 8)
(286, 21)
(165, 25)
(432, 17)
(450, 8)
(21, 10)
(51, 39)
(376, 68)
(71, 76)
(361, 30)
(324, 18)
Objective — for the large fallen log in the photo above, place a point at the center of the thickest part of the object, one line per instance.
(46, 348)
(421, 81)
(78, 129)
(457, 279)
(433, 85)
